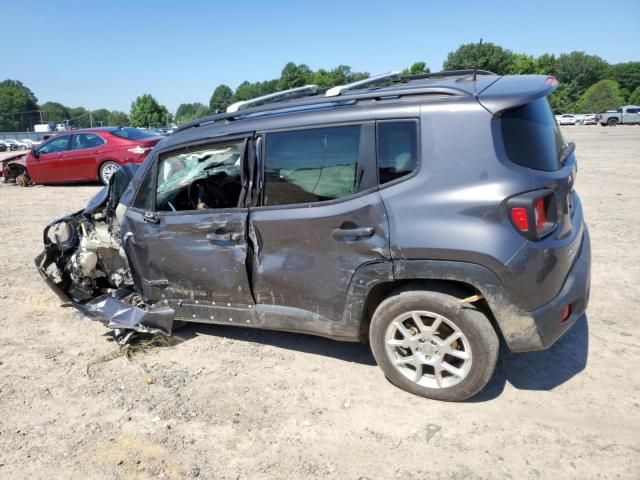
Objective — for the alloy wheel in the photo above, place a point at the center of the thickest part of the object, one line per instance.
(428, 349)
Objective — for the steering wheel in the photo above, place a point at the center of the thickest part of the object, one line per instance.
(195, 193)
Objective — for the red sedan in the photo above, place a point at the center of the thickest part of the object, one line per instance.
(82, 155)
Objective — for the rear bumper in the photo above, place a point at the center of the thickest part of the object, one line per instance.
(541, 328)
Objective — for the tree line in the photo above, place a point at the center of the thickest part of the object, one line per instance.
(587, 84)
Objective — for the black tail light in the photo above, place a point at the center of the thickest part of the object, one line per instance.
(533, 214)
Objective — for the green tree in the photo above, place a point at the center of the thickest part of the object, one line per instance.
(147, 112)
(627, 75)
(293, 76)
(486, 57)
(522, 64)
(117, 119)
(79, 117)
(246, 91)
(634, 98)
(339, 75)
(220, 99)
(416, 69)
(579, 71)
(560, 101)
(546, 64)
(53, 112)
(599, 97)
(18, 106)
(190, 111)
(100, 117)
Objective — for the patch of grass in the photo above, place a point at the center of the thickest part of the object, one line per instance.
(138, 344)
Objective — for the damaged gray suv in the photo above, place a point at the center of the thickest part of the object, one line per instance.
(430, 215)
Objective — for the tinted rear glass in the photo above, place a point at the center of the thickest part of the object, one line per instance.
(132, 133)
(532, 137)
(314, 165)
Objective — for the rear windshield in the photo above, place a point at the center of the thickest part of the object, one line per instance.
(532, 137)
(132, 133)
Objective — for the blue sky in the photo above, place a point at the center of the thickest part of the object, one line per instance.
(104, 54)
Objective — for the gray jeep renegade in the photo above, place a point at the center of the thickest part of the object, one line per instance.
(429, 215)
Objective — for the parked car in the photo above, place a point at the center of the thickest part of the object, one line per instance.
(627, 115)
(590, 119)
(82, 155)
(30, 143)
(14, 144)
(567, 119)
(356, 214)
(4, 146)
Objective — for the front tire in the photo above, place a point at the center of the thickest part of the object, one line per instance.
(429, 344)
(107, 169)
(612, 122)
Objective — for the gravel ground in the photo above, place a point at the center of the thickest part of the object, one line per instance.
(232, 403)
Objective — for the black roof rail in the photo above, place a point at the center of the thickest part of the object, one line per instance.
(349, 98)
(446, 73)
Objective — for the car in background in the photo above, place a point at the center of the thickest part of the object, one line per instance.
(81, 156)
(4, 146)
(590, 119)
(16, 144)
(567, 119)
(30, 143)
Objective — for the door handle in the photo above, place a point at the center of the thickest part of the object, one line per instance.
(358, 232)
(224, 237)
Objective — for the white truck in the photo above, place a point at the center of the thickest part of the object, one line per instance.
(627, 115)
(42, 128)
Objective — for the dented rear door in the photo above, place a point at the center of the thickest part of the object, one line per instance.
(306, 252)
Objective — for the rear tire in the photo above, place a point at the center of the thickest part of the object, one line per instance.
(612, 122)
(107, 169)
(429, 344)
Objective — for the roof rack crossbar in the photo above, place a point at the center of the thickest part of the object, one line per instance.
(292, 93)
(384, 78)
(445, 73)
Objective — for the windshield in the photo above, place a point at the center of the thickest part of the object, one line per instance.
(132, 133)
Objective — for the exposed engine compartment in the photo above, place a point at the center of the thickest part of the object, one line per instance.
(86, 265)
(91, 260)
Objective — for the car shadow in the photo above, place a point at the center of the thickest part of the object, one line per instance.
(346, 351)
(542, 370)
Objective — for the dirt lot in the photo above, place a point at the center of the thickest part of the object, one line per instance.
(231, 403)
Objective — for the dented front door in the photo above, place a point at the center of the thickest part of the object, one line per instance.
(189, 255)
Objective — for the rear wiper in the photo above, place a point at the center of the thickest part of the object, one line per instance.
(567, 150)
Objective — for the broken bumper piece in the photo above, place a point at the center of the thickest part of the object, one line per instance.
(112, 309)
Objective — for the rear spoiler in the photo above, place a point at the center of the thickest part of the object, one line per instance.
(514, 91)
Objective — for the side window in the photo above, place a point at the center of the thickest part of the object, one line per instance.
(632, 110)
(397, 149)
(58, 144)
(314, 165)
(86, 140)
(201, 179)
(144, 198)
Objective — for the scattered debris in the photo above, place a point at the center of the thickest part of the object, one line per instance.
(136, 345)
(432, 429)
(471, 299)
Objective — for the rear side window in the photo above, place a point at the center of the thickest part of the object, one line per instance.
(314, 165)
(130, 133)
(532, 137)
(397, 149)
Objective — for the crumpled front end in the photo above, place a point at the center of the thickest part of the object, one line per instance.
(84, 263)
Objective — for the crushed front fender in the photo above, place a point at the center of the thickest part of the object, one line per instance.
(112, 309)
